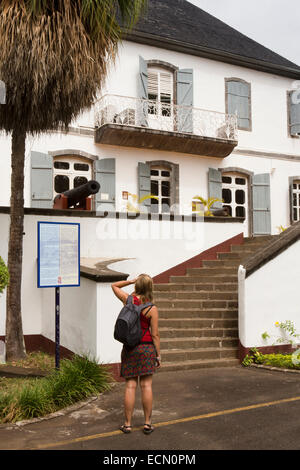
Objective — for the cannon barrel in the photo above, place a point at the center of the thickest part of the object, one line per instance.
(79, 194)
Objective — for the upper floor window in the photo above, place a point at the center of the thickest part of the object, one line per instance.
(238, 101)
(70, 172)
(160, 91)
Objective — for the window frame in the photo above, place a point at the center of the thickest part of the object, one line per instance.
(173, 168)
(71, 173)
(240, 80)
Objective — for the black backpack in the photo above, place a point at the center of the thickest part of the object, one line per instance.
(128, 328)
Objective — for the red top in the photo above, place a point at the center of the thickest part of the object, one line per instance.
(145, 323)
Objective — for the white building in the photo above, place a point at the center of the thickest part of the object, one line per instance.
(191, 108)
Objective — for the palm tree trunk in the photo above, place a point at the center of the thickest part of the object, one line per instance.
(15, 347)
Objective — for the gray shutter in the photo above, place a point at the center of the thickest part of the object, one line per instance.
(238, 95)
(41, 180)
(185, 97)
(143, 93)
(261, 197)
(144, 185)
(215, 186)
(105, 174)
(294, 115)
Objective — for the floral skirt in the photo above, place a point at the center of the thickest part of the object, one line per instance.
(140, 360)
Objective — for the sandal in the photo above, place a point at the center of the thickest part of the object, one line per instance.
(148, 428)
(125, 429)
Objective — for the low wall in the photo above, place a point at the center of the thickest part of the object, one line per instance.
(88, 312)
(269, 294)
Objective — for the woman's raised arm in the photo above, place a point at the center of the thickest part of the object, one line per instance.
(117, 289)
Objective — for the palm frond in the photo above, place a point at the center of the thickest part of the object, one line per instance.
(54, 57)
(212, 201)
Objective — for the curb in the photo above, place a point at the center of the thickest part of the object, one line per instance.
(55, 414)
(277, 369)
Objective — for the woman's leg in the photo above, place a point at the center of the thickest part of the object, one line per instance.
(129, 400)
(147, 396)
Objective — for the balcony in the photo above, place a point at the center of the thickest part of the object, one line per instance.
(132, 122)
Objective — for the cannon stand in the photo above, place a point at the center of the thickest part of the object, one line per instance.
(61, 203)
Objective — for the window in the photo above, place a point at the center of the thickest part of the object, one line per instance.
(70, 172)
(294, 113)
(161, 189)
(296, 201)
(160, 91)
(238, 101)
(234, 194)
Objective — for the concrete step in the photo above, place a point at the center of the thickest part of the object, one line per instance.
(194, 342)
(198, 323)
(180, 295)
(193, 354)
(196, 287)
(214, 313)
(199, 364)
(252, 247)
(205, 278)
(260, 239)
(234, 255)
(188, 304)
(222, 263)
(211, 271)
(175, 333)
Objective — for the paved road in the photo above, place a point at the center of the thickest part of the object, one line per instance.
(211, 409)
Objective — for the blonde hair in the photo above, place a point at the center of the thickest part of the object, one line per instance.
(144, 288)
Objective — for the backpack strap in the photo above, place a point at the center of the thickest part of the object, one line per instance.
(143, 306)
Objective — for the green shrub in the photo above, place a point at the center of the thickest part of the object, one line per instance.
(77, 379)
(285, 361)
(4, 275)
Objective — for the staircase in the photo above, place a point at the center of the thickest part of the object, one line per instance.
(198, 312)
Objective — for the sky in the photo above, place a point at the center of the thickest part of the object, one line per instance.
(273, 23)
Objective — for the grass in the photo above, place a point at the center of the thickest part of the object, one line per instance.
(77, 379)
(284, 361)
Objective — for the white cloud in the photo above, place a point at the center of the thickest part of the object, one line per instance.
(273, 23)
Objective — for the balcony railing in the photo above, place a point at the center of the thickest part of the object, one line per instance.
(127, 111)
(147, 124)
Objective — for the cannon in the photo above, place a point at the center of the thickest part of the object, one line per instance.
(77, 198)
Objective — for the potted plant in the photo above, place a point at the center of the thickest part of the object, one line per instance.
(207, 206)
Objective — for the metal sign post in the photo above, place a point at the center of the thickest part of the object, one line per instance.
(58, 264)
(57, 327)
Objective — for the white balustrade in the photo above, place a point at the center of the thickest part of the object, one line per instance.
(127, 111)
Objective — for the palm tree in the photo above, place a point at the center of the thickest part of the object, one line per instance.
(54, 55)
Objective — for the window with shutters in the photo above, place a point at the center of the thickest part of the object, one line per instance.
(160, 91)
(70, 172)
(294, 114)
(161, 189)
(235, 194)
(238, 101)
(296, 201)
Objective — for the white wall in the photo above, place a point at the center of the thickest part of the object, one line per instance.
(269, 295)
(88, 313)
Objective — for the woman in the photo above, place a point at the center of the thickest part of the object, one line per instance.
(144, 359)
